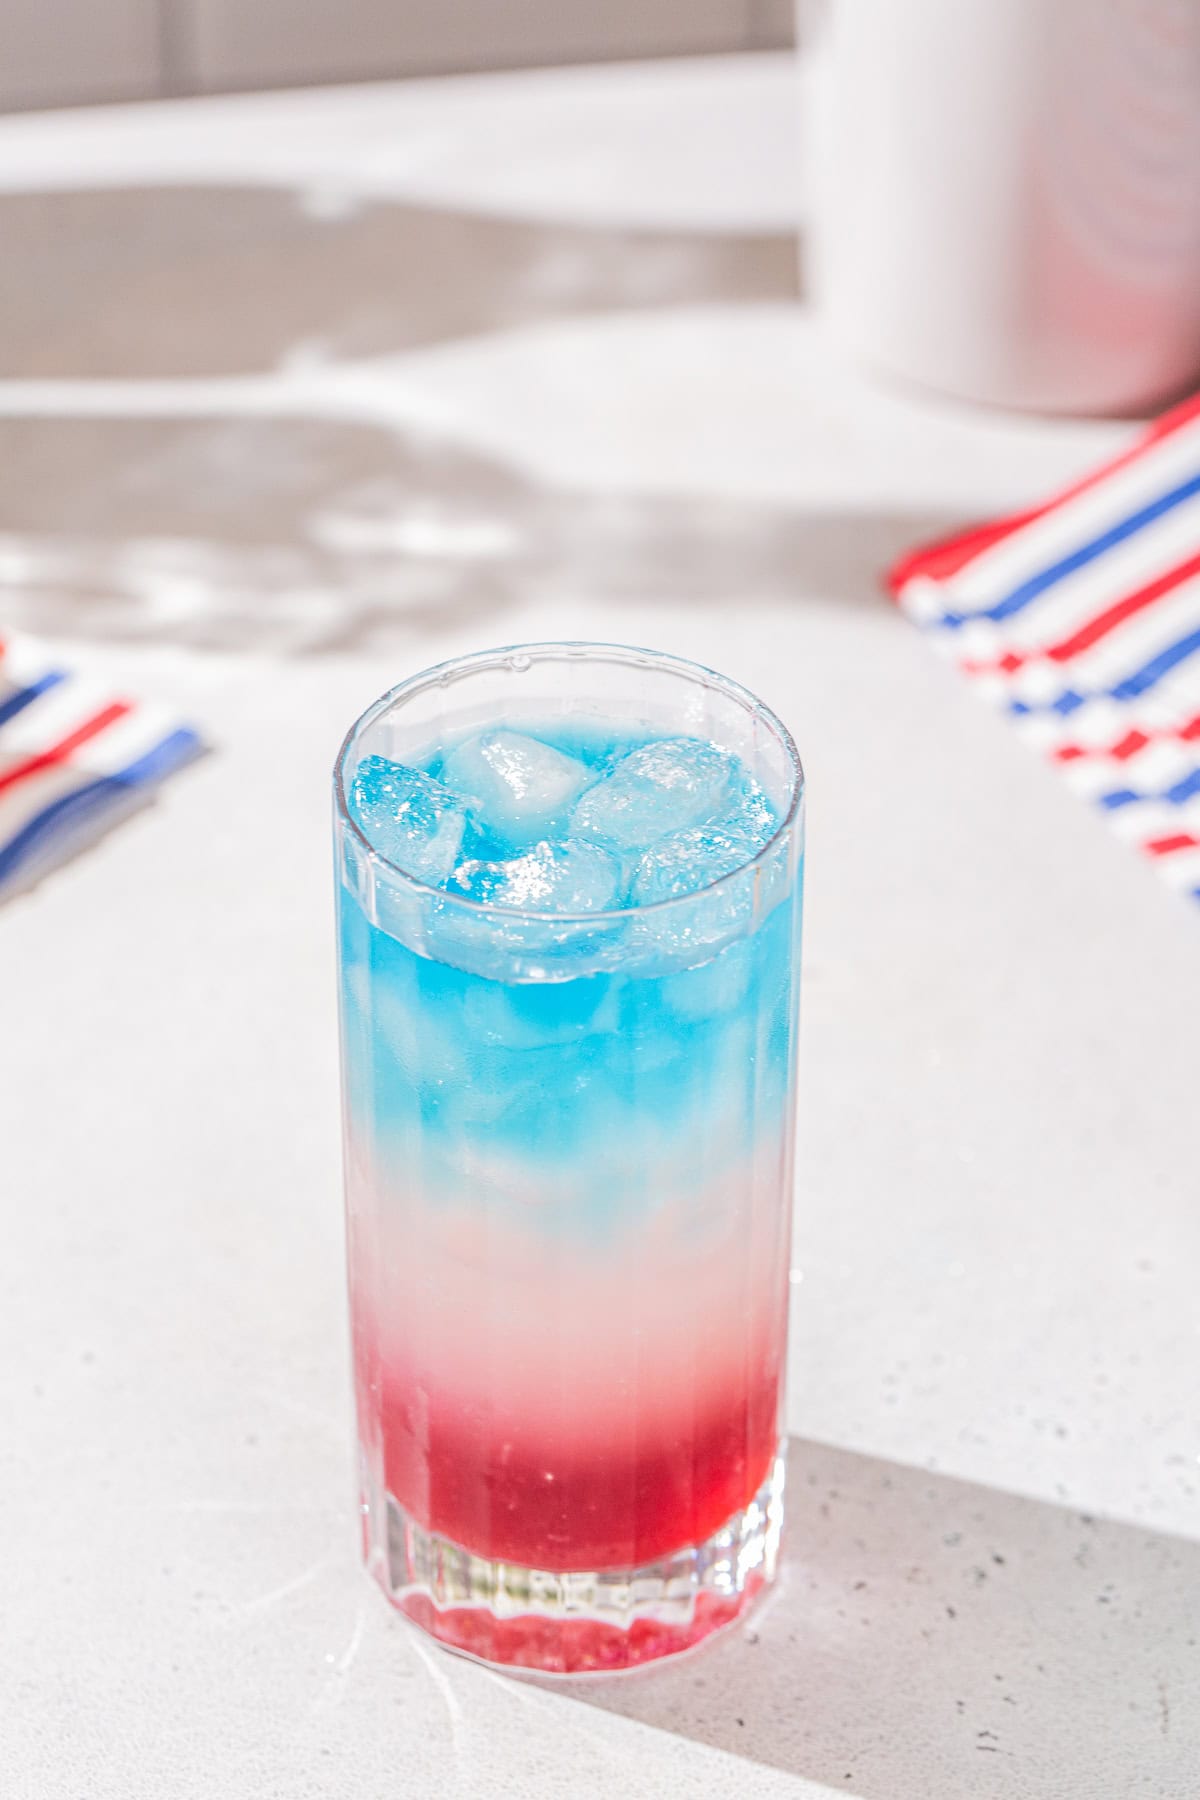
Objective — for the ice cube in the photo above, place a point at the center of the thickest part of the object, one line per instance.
(680, 868)
(407, 816)
(750, 817)
(519, 787)
(713, 988)
(570, 876)
(529, 1015)
(662, 787)
(687, 861)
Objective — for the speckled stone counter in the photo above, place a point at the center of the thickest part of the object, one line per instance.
(300, 393)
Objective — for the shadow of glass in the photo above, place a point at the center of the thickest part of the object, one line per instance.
(299, 535)
(934, 1640)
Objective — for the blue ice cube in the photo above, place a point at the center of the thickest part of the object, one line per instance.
(663, 787)
(518, 787)
(569, 876)
(407, 816)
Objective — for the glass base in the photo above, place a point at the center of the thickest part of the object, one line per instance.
(576, 1623)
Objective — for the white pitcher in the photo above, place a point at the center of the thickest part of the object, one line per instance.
(1007, 195)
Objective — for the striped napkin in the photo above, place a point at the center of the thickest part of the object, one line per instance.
(1081, 618)
(74, 758)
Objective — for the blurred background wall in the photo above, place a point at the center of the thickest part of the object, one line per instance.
(64, 52)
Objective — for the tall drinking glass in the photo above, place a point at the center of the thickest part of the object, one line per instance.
(568, 1152)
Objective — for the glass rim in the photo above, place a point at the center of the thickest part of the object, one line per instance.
(567, 650)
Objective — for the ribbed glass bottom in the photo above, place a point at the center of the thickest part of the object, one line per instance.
(575, 1623)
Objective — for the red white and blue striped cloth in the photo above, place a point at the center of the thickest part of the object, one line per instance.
(1081, 618)
(74, 758)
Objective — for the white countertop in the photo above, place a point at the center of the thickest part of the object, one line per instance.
(992, 1587)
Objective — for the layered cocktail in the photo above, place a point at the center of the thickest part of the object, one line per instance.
(569, 902)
